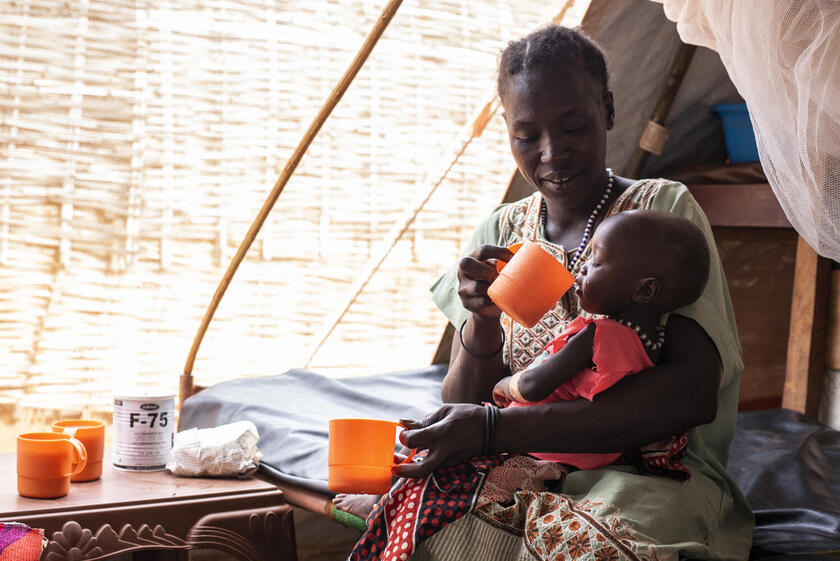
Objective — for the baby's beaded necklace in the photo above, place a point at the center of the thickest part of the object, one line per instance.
(587, 233)
(660, 334)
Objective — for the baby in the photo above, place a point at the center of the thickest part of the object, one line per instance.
(644, 264)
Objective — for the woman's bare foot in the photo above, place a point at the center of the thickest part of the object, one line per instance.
(360, 505)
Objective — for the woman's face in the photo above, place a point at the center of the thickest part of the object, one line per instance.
(558, 123)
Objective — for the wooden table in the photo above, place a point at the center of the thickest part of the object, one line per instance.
(127, 512)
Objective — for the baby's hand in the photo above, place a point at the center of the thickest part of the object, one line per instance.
(501, 393)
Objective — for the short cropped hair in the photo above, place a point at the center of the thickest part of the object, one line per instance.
(552, 48)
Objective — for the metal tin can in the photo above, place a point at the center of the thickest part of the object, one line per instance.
(144, 429)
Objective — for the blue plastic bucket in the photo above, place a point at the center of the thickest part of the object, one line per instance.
(737, 129)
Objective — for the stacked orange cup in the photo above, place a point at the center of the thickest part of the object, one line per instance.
(92, 435)
(361, 455)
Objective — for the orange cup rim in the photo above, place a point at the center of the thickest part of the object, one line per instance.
(388, 466)
(79, 424)
(42, 436)
(361, 419)
(367, 421)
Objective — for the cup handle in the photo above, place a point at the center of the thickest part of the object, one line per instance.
(69, 430)
(80, 456)
(501, 264)
(407, 458)
(410, 452)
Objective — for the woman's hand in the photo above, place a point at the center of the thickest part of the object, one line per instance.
(475, 361)
(475, 273)
(501, 393)
(453, 432)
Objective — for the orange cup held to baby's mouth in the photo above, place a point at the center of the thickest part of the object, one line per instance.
(361, 455)
(92, 435)
(529, 285)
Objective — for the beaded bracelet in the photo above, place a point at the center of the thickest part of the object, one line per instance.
(479, 355)
(491, 420)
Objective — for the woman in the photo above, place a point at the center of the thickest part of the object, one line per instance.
(558, 109)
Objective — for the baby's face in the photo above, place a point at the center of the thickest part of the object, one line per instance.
(605, 283)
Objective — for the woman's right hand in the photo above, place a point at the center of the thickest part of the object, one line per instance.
(475, 273)
(475, 361)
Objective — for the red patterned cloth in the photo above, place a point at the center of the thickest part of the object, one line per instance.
(664, 458)
(415, 509)
(19, 542)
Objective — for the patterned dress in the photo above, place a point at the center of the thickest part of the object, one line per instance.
(616, 512)
(521, 221)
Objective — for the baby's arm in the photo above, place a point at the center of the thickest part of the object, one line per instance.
(537, 383)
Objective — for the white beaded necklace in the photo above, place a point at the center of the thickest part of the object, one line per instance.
(587, 233)
(660, 334)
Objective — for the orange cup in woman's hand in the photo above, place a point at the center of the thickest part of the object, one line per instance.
(92, 435)
(45, 463)
(361, 455)
(530, 284)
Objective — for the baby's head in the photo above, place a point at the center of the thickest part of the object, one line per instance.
(644, 259)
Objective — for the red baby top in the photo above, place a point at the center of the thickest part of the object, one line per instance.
(617, 352)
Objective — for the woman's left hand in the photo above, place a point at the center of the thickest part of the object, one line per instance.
(453, 432)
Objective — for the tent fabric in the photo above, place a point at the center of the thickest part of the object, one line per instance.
(784, 462)
(640, 43)
(782, 56)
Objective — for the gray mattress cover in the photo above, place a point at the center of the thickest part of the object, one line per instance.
(292, 413)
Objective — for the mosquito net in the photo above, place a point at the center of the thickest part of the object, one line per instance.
(784, 58)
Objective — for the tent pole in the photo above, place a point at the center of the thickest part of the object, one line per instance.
(654, 136)
(186, 386)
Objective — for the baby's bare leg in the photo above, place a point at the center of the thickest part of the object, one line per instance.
(360, 505)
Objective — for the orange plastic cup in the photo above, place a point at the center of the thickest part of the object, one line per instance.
(45, 463)
(361, 455)
(530, 284)
(92, 435)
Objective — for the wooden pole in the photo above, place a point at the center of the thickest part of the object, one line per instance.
(808, 326)
(669, 92)
(388, 12)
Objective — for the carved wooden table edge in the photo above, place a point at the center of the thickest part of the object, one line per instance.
(127, 512)
(264, 534)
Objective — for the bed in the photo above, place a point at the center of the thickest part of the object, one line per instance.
(787, 464)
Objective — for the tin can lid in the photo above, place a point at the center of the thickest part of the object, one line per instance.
(135, 392)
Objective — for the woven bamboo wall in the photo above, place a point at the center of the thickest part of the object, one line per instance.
(138, 140)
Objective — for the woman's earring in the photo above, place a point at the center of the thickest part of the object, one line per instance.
(610, 105)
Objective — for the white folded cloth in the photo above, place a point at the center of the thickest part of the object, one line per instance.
(226, 450)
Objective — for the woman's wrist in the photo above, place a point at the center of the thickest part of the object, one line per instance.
(481, 337)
